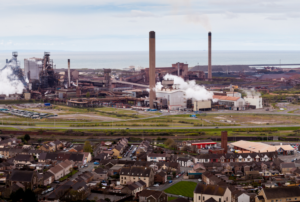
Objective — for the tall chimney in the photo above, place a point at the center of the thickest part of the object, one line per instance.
(224, 141)
(209, 75)
(178, 69)
(151, 68)
(69, 73)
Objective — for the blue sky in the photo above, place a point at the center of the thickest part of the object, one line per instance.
(123, 25)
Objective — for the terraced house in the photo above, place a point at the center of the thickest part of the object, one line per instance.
(235, 157)
(282, 194)
(134, 174)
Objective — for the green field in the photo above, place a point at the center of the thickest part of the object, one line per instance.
(170, 198)
(184, 188)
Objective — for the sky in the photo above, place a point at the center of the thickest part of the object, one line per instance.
(124, 25)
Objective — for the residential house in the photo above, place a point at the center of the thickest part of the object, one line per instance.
(156, 157)
(70, 191)
(134, 174)
(185, 162)
(136, 187)
(287, 168)
(235, 157)
(204, 192)
(246, 197)
(210, 179)
(117, 151)
(21, 160)
(279, 194)
(27, 178)
(100, 174)
(152, 196)
(76, 148)
(57, 171)
(160, 177)
(85, 176)
(48, 178)
(49, 147)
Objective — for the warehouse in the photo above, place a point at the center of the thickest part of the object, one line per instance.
(174, 97)
(255, 101)
(202, 105)
(257, 147)
(231, 103)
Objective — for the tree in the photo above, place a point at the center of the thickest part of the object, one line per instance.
(87, 147)
(20, 195)
(169, 142)
(26, 137)
(88, 95)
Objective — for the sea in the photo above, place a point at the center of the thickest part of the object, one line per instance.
(140, 59)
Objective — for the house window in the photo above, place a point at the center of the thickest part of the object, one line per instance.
(203, 198)
(295, 199)
(200, 198)
(219, 199)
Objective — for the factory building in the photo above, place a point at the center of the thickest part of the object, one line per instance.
(255, 101)
(258, 147)
(231, 103)
(175, 98)
(202, 105)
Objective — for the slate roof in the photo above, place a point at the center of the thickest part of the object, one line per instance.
(147, 193)
(21, 175)
(136, 171)
(23, 157)
(210, 190)
(282, 192)
(210, 200)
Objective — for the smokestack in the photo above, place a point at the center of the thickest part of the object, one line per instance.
(178, 69)
(151, 68)
(69, 73)
(224, 141)
(209, 75)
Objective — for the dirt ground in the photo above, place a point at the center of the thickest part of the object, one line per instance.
(85, 117)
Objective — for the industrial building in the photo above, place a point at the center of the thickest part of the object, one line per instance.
(231, 103)
(255, 101)
(202, 105)
(258, 147)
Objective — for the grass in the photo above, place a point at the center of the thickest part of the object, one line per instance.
(170, 198)
(184, 188)
(68, 175)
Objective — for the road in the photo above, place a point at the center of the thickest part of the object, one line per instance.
(149, 128)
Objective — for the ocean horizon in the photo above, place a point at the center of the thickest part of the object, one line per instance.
(139, 59)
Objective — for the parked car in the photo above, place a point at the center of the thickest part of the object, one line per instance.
(96, 163)
(199, 180)
(170, 181)
(50, 189)
(156, 185)
(86, 165)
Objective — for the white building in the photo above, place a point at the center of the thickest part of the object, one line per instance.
(156, 157)
(234, 103)
(174, 97)
(254, 100)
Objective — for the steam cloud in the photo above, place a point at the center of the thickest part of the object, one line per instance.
(251, 92)
(192, 90)
(199, 19)
(9, 82)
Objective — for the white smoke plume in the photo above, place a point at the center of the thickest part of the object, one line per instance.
(9, 82)
(187, 9)
(192, 90)
(251, 92)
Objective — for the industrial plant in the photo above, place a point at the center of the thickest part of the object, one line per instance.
(178, 87)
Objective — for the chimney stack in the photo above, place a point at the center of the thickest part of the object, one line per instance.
(224, 141)
(69, 73)
(209, 74)
(152, 68)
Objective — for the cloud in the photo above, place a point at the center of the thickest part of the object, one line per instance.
(137, 14)
(230, 15)
(276, 17)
